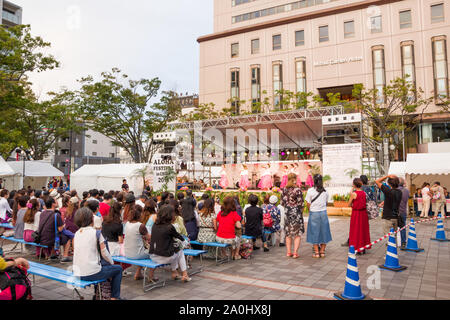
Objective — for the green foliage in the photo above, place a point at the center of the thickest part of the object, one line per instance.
(339, 197)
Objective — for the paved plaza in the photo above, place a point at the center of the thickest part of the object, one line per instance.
(273, 276)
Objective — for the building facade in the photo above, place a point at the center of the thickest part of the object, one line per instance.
(78, 149)
(327, 46)
(11, 13)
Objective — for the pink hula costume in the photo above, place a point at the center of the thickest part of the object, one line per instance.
(266, 181)
(223, 183)
(243, 182)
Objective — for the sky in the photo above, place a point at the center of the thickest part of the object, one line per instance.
(143, 38)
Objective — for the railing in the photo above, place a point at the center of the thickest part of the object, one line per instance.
(10, 17)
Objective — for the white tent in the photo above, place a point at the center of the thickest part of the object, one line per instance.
(424, 167)
(36, 174)
(398, 168)
(5, 169)
(109, 177)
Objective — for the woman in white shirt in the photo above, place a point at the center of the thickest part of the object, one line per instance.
(318, 233)
(426, 198)
(86, 258)
(31, 220)
(5, 209)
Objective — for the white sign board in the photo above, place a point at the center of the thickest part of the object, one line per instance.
(161, 165)
(340, 162)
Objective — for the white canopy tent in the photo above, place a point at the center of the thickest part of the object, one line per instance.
(5, 169)
(424, 167)
(36, 173)
(109, 177)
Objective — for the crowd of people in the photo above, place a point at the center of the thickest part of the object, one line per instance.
(97, 225)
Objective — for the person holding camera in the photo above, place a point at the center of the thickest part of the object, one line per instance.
(393, 196)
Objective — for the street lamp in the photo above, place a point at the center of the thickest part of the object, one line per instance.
(25, 155)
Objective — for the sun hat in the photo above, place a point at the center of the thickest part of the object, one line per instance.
(55, 194)
(273, 199)
(74, 200)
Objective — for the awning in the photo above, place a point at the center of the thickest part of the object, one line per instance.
(398, 169)
(428, 163)
(35, 169)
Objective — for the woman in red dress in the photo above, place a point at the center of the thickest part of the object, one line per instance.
(359, 235)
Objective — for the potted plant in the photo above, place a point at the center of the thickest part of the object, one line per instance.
(341, 201)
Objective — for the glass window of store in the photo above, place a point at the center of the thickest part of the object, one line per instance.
(277, 76)
(376, 25)
(379, 72)
(434, 132)
(256, 88)
(440, 68)
(235, 94)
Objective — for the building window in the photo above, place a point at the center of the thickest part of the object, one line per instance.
(439, 46)
(300, 75)
(434, 132)
(256, 88)
(379, 72)
(277, 77)
(437, 13)
(376, 24)
(112, 155)
(234, 50)
(323, 34)
(408, 63)
(94, 154)
(255, 46)
(77, 140)
(76, 153)
(299, 38)
(349, 29)
(405, 19)
(76, 165)
(276, 42)
(235, 95)
(94, 141)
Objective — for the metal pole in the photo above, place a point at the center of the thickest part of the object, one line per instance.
(403, 136)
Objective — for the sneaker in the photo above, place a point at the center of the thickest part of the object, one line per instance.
(66, 259)
(403, 246)
(54, 258)
(266, 249)
(126, 273)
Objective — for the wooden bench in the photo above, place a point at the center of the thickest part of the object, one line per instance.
(195, 253)
(216, 245)
(22, 242)
(146, 264)
(63, 276)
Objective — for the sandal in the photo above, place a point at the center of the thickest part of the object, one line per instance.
(289, 255)
(322, 254)
(316, 255)
(187, 279)
(295, 256)
(176, 278)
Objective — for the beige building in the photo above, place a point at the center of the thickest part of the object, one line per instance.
(324, 46)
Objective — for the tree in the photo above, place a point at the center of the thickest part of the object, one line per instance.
(20, 55)
(125, 113)
(399, 108)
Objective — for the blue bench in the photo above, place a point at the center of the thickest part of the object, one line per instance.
(195, 253)
(22, 242)
(63, 276)
(146, 264)
(216, 245)
(6, 226)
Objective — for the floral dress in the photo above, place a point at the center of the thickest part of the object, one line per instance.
(292, 201)
(206, 234)
(275, 214)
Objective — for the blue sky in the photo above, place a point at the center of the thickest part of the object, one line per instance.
(144, 38)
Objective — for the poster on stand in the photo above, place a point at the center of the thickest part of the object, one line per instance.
(343, 163)
(164, 166)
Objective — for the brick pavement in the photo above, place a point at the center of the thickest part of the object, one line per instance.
(273, 276)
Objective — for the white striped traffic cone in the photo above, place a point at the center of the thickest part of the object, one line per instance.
(412, 240)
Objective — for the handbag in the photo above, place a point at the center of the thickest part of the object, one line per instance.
(36, 235)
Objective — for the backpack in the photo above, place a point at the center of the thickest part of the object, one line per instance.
(246, 249)
(267, 220)
(14, 285)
